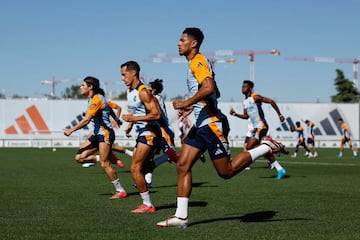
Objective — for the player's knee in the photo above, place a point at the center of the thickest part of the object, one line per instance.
(104, 164)
(134, 169)
(224, 175)
(78, 158)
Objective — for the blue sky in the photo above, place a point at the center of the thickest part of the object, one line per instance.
(72, 39)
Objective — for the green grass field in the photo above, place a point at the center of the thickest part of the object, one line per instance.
(46, 195)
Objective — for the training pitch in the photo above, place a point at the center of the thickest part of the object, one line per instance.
(44, 194)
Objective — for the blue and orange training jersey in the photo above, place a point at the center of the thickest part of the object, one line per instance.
(137, 108)
(255, 112)
(200, 69)
(100, 113)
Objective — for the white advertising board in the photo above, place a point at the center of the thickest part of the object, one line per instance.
(24, 120)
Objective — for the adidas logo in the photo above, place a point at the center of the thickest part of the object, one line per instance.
(76, 121)
(327, 127)
(81, 117)
(29, 122)
(218, 150)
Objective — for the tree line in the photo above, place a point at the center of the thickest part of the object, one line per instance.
(346, 92)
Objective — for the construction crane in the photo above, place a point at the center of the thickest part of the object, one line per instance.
(217, 56)
(53, 84)
(354, 61)
(109, 93)
(167, 59)
(250, 53)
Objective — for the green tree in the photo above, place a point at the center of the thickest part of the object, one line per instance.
(347, 93)
(121, 96)
(17, 96)
(180, 97)
(73, 92)
(2, 96)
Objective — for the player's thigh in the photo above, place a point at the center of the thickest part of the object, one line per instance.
(143, 152)
(188, 155)
(221, 165)
(86, 153)
(118, 148)
(104, 151)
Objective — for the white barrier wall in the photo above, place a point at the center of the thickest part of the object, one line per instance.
(40, 122)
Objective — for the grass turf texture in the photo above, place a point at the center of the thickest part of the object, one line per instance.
(46, 195)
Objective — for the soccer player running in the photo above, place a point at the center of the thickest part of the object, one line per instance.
(345, 139)
(167, 141)
(301, 139)
(310, 141)
(144, 113)
(210, 129)
(252, 105)
(98, 113)
(86, 154)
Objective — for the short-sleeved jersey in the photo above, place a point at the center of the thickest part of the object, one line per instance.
(164, 120)
(166, 129)
(345, 130)
(100, 113)
(255, 112)
(137, 107)
(205, 110)
(310, 130)
(300, 131)
(111, 104)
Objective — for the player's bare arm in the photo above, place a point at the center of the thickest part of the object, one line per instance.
(154, 112)
(206, 89)
(259, 98)
(85, 121)
(242, 116)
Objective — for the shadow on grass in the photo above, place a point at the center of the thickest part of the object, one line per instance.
(264, 216)
(191, 204)
(133, 193)
(194, 185)
(152, 191)
(274, 177)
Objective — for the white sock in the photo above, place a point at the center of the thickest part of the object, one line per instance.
(258, 151)
(148, 177)
(276, 165)
(146, 198)
(97, 158)
(118, 186)
(129, 153)
(182, 207)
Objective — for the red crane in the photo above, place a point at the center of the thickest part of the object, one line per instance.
(354, 61)
(216, 56)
